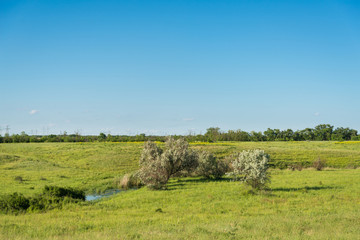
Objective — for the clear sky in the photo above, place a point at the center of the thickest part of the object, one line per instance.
(170, 67)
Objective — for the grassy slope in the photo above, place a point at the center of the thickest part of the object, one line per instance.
(93, 166)
(88, 166)
(337, 154)
(306, 204)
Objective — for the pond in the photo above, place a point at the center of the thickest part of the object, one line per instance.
(107, 193)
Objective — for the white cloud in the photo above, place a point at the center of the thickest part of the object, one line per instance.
(316, 114)
(32, 112)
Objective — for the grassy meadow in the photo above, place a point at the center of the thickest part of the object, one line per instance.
(305, 204)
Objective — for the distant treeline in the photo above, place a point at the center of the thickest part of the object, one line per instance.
(322, 132)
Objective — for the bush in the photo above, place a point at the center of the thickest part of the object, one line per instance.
(280, 165)
(52, 197)
(157, 165)
(319, 164)
(59, 192)
(15, 202)
(151, 173)
(209, 167)
(55, 197)
(19, 179)
(296, 166)
(178, 157)
(252, 166)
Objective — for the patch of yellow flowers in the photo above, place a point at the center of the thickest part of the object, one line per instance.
(348, 142)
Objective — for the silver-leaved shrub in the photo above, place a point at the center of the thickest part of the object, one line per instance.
(252, 167)
(209, 166)
(151, 173)
(158, 165)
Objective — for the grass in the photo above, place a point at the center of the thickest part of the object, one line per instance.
(89, 166)
(304, 204)
(93, 166)
(336, 154)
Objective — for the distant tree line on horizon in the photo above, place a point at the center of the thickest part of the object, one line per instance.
(322, 132)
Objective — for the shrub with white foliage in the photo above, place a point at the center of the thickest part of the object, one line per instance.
(151, 173)
(252, 166)
(177, 157)
(209, 166)
(158, 165)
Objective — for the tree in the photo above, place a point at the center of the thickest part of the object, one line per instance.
(307, 134)
(212, 134)
(340, 134)
(323, 132)
(237, 135)
(102, 137)
(256, 136)
(270, 134)
(288, 135)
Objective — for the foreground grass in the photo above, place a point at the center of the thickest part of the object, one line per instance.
(302, 205)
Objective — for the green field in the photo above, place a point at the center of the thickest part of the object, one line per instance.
(304, 204)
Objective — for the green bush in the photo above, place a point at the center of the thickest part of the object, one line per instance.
(52, 197)
(59, 192)
(15, 202)
(19, 179)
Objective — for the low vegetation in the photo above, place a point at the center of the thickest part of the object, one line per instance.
(128, 181)
(51, 197)
(319, 164)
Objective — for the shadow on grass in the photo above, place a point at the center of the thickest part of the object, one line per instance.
(180, 183)
(306, 188)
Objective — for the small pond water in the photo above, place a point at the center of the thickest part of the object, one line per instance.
(107, 193)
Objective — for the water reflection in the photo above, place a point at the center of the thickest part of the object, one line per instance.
(107, 193)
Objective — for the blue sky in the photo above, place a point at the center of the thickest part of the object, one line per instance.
(171, 67)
